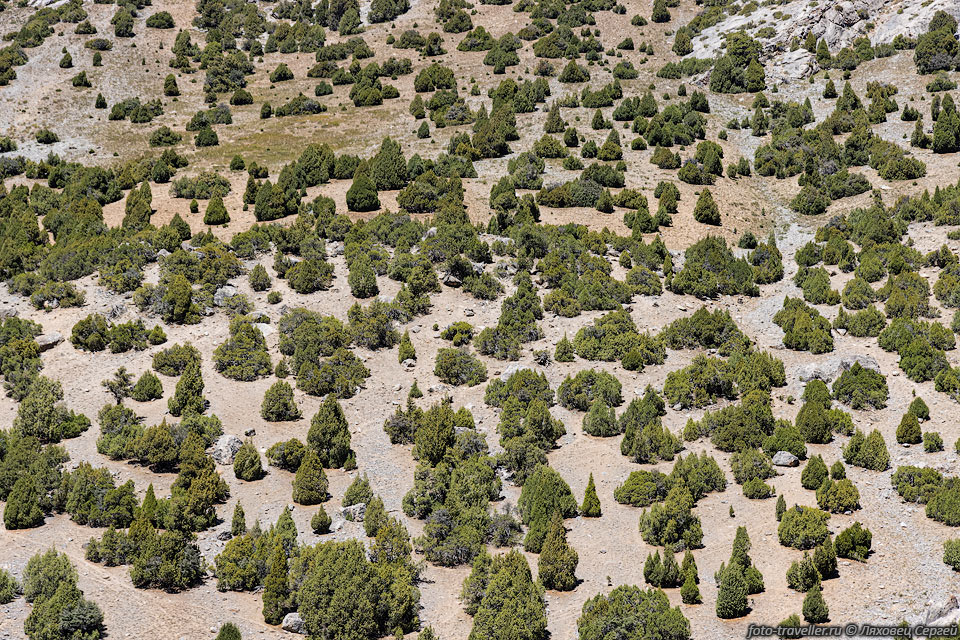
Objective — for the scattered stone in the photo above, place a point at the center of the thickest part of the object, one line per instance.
(451, 280)
(48, 341)
(265, 329)
(785, 459)
(293, 623)
(116, 311)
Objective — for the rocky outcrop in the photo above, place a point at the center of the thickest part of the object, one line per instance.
(354, 513)
(828, 370)
(225, 448)
(837, 22)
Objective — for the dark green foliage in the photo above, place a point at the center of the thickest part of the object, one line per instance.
(238, 524)
(803, 326)
(320, 522)
(854, 542)
(544, 493)
(558, 560)
(803, 527)
(587, 386)
(287, 454)
(671, 523)
(246, 463)
(278, 404)
(591, 503)
(932, 442)
(700, 474)
(629, 611)
(459, 367)
(228, 631)
(711, 270)
(504, 600)
(59, 608)
(838, 496)
(814, 473)
(188, 396)
(43, 415)
(329, 436)
(868, 452)
(10, 589)
(732, 593)
(173, 361)
(22, 510)
(706, 210)
(861, 388)
(310, 484)
(815, 609)
(908, 432)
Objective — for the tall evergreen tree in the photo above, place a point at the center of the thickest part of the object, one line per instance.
(276, 591)
(558, 560)
(388, 169)
(732, 595)
(329, 436)
(310, 483)
(188, 397)
(591, 503)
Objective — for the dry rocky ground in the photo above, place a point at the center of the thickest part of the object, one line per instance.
(902, 578)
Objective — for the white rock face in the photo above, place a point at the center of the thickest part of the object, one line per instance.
(225, 448)
(837, 22)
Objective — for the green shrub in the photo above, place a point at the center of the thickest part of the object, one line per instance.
(868, 453)
(803, 326)
(803, 527)
(951, 554)
(615, 614)
(310, 483)
(246, 463)
(854, 542)
(587, 386)
(458, 367)
(544, 493)
(838, 496)
(861, 388)
(932, 442)
(286, 455)
(279, 405)
(243, 356)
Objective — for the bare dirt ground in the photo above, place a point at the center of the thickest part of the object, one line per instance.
(901, 578)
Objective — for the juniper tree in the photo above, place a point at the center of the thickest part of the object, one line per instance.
(591, 503)
(310, 483)
(329, 436)
(558, 560)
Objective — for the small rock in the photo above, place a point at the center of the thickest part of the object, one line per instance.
(250, 433)
(785, 459)
(468, 312)
(293, 623)
(48, 341)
